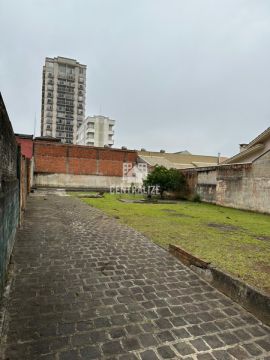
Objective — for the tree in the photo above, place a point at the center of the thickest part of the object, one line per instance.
(166, 179)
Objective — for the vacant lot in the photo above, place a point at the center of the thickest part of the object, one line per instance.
(234, 240)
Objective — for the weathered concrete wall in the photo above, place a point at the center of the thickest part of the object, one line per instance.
(207, 192)
(191, 176)
(245, 186)
(9, 191)
(77, 181)
(241, 186)
(75, 166)
(207, 177)
(206, 186)
(201, 182)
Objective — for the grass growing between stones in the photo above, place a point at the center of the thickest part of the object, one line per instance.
(233, 240)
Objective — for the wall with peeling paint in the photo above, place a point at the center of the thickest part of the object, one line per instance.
(245, 186)
(241, 186)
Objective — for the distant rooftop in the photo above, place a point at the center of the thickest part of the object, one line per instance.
(181, 160)
(184, 152)
(47, 138)
(24, 136)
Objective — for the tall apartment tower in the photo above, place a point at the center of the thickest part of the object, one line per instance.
(63, 98)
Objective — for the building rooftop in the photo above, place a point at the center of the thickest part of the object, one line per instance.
(64, 60)
(182, 160)
(253, 149)
(24, 136)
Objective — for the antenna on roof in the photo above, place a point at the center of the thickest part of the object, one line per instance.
(35, 124)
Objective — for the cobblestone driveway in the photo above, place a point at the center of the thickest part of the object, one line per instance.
(87, 287)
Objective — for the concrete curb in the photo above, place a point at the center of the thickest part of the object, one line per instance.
(253, 300)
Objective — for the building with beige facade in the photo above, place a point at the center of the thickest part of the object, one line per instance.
(96, 130)
(63, 98)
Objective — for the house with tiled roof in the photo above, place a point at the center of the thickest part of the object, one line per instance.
(253, 150)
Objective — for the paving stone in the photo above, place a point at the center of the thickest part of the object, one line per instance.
(128, 357)
(164, 312)
(228, 338)
(166, 352)
(85, 325)
(196, 330)
(118, 320)
(88, 287)
(252, 349)
(242, 334)
(178, 321)
(90, 352)
(148, 327)
(213, 341)
(65, 329)
(147, 340)
(209, 328)
(98, 336)
(164, 324)
(264, 344)
(165, 336)
(256, 331)
(221, 355)
(184, 348)
(149, 355)
(199, 345)
(80, 339)
(181, 333)
(112, 347)
(102, 322)
(48, 357)
(130, 344)
(117, 333)
(17, 352)
(238, 352)
(206, 357)
(133, 329)
(69, 355)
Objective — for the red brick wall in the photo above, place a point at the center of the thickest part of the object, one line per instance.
(51, 157)
(26, 146)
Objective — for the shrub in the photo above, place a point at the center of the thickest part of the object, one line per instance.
(166, 179)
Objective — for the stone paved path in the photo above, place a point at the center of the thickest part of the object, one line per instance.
(87, 287)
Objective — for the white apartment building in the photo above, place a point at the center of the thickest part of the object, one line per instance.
(63, 98)
(96, 130)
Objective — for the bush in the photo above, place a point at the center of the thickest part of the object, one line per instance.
(166, 179)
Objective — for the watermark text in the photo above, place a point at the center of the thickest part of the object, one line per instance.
(142, 190)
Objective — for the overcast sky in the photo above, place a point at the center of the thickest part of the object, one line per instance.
(174, 74)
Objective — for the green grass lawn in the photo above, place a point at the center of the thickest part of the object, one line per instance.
(233, 240)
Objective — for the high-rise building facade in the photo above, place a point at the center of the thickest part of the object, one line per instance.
(63, 98)
(96, 130)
